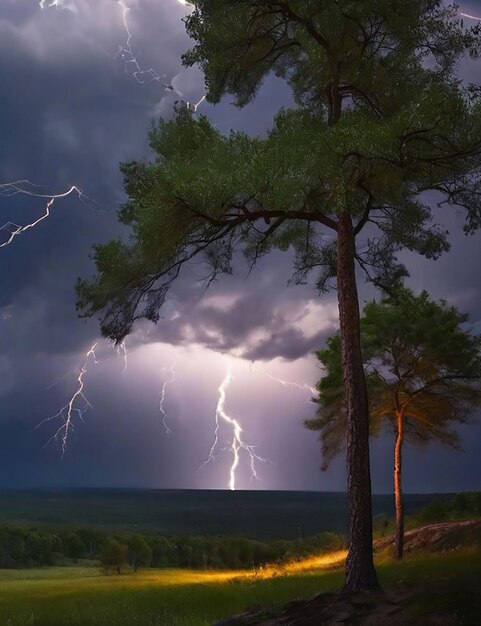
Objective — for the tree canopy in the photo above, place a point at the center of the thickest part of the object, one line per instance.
(423, 373)
(381, 119)
(418, 358)
(206, 194)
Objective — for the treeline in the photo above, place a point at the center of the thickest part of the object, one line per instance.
(32, 547)
(463, 504)
(466, 504)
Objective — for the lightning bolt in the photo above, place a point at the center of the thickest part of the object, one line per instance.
(470, 17)
(59, 380)
(193, 107)
(27, 188)
(237, 443)
(140, 74)
(122, 351)
(127, 55)
(163, 392)
(68, 411)
(287, 383)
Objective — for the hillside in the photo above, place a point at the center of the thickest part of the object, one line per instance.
(437, 537)
(451, 598)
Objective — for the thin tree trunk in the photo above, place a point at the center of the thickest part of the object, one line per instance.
(398, 498)
(360, 572)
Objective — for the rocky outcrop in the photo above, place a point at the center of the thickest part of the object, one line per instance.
(437, 537)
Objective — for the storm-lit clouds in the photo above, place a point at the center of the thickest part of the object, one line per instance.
(70, 111)
(84, 113)
(256, 317)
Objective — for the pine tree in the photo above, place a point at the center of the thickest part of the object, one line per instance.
(381, 118)
(423, 373)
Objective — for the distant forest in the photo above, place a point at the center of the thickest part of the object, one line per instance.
(32, 547)
(261, 515)
(24, 546)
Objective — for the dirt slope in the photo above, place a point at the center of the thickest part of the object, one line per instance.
(394, 606)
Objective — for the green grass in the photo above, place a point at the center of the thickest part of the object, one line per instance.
(47, 573)
(85, 597)
(447, 583)
(435, 566)
(163, 597)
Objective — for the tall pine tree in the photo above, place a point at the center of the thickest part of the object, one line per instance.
(381, 119)
(423, 373)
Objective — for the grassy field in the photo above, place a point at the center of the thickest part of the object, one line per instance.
(160, 598)
(85, 597)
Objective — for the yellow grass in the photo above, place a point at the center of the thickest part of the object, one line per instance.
(39, 578)
(169, 597)
(84, 596)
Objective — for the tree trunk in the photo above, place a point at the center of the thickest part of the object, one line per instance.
(398, 498)
(360, 572)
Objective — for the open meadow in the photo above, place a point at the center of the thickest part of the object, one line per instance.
(81, 596)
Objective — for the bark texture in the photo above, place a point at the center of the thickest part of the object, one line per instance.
(398, 499)
(360, 572)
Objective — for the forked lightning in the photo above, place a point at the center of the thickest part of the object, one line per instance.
(27, 188)
(127, 55)
(67, 412)
(287, 383)
(237, 443)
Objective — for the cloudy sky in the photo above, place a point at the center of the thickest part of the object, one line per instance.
(71, 109)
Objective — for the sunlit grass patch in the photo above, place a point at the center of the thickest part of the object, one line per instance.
(151, 597)
(86, 597)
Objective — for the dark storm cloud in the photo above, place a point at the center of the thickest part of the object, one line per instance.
(120, 441)
(69, 113)
(257, 317)
(84, 113)
(291, 345)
